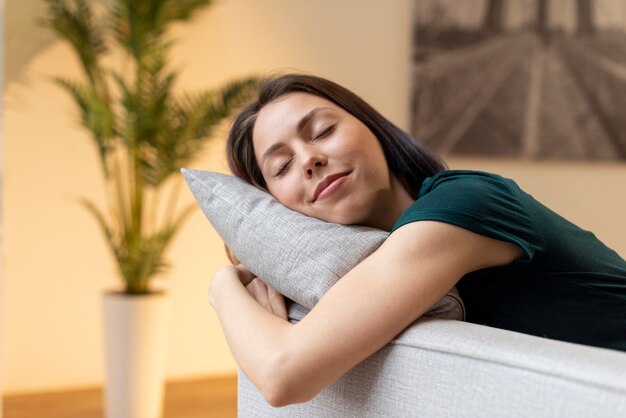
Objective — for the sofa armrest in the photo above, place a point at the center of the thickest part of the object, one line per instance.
(439, 367)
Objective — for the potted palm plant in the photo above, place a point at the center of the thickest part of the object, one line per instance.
(144, 135)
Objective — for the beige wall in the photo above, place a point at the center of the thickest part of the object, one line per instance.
(57, 265)
(2, 277)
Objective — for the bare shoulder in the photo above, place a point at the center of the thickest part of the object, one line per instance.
(468, 250)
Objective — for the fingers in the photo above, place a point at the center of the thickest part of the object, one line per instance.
(268, 297)
(258, 290)
(246, 276)
(278, 303)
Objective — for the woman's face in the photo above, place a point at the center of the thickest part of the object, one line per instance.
(299, 139)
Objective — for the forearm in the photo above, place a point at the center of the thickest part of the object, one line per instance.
(255, 336)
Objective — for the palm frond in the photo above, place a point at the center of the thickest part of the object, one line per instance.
(96, 116)
(191, 121)
(199, 115)
(139, 25)
(77, 25)
(111, 240)
(238, 91)
(155, 95)
(143, 259)
(183, 9)
(124, 22)
(149, 255)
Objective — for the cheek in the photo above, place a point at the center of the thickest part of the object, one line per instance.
(289, 193)
(358, 140)
(346, 147)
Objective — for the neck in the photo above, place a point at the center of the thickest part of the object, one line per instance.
(400, 201)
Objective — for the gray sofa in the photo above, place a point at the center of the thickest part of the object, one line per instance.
(448, 368)
(437, 367)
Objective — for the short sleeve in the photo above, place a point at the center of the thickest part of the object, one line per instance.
(481, 202)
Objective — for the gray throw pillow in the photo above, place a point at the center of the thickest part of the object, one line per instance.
(298, 255)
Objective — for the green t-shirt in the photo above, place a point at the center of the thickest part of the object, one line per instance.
(569, 286)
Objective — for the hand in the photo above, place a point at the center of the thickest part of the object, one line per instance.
(231, 272)
(245, 275)
(225, 276)
(268, 297)
(264, 294)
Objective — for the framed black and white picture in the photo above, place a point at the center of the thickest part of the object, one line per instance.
(531, 79)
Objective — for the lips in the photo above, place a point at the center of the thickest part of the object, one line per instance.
(326, 182)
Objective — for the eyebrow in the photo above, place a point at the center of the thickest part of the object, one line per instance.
(301, 124)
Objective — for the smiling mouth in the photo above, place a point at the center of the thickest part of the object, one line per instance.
(332, 187)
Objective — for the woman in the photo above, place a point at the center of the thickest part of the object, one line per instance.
(322, 151)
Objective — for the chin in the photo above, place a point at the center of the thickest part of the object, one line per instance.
(324, 217)
(350, 219)
(344, 212)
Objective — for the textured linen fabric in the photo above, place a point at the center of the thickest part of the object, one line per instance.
(438, 368)
(298, 255)
(569, 286)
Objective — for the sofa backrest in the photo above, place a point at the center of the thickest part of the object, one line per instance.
(447, 368)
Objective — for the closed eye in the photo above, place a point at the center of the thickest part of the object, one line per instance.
(279, 172)
(321, 135)
(325, 132)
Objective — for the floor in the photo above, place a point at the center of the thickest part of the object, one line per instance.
(206, 398)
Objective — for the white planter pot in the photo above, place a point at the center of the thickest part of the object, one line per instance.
(136, 331)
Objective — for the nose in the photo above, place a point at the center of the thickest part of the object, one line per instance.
(313, 161)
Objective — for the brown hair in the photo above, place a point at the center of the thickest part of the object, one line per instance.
(408, 159)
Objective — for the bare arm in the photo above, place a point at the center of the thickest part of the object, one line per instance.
(414, 268)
